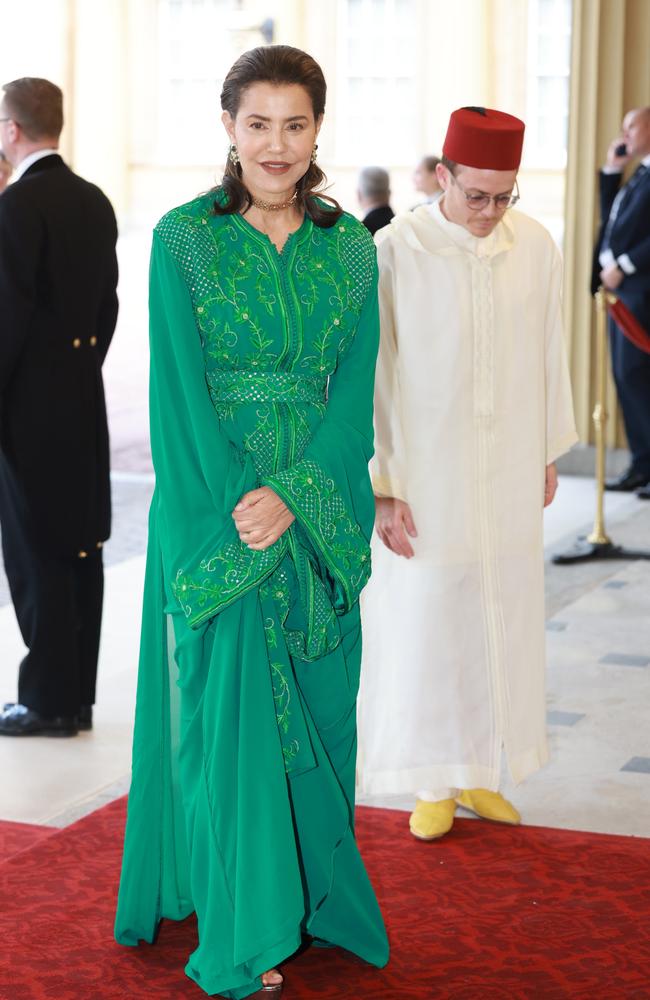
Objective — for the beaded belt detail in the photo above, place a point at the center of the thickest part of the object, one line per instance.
(245, 386)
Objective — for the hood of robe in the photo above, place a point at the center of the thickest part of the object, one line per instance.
(426, 229)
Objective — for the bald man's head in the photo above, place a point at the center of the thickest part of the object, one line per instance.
(636, 132)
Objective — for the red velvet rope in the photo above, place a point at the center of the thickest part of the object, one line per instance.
(627, 323)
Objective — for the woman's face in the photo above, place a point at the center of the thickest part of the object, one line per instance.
(274, 133)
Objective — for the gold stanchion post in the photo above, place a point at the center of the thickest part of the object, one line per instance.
(598, 536)
(598, 545)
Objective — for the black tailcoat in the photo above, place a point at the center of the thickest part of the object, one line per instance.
(58, 308)
(377, 218)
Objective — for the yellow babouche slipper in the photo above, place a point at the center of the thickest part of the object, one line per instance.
(489, 805)
(430, 820)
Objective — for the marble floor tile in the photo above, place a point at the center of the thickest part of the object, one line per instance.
(638, 765)
(555, 717)
(625, 660)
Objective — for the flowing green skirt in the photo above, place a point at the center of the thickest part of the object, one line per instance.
(242, 797)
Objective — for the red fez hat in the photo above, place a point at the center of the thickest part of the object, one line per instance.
(481, 137)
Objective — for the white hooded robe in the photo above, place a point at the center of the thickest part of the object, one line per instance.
(472, 402)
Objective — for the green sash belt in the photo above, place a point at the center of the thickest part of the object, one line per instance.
(246, 386)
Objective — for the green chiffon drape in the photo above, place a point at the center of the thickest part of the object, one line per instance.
(242, 798)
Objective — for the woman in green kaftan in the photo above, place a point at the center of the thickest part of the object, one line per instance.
(264, 332)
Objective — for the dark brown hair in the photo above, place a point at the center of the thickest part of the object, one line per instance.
(276, 64)
(430, 163)
(36, 105)
(449, 164)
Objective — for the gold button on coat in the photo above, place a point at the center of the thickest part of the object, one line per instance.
(82, 554)
(93, 341)
(76, 342)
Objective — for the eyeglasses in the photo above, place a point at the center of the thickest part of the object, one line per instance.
(478, 201)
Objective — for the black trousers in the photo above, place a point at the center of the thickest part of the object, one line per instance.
(631, 368)
(58, 604)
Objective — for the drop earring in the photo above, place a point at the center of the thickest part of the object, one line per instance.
(314, 153)
(233, 155)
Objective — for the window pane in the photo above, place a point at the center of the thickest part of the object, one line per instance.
(379, 42)
(198, 40)
(549, 53)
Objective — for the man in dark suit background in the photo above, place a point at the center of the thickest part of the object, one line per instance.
(373, 192)
(622, 264)
(58, 308)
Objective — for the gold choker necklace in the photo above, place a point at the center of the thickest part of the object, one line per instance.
(274, 206)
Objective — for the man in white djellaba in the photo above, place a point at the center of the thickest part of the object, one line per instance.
(473, 406)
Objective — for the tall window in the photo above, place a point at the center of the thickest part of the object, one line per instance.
(377, 67)
(198, 40)
(549, 60)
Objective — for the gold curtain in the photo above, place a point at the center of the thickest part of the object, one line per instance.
(610, 73)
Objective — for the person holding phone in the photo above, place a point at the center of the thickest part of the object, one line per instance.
(622, 264)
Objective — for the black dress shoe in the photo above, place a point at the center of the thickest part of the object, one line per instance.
(628, 482)
(17, 720)
(85, 718)
(643, 493)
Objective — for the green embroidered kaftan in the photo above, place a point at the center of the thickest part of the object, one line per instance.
(242, 799)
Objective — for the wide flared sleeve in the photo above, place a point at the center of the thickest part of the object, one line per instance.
(561, 431)
(200, 474)
(388, 465)
(329, 489)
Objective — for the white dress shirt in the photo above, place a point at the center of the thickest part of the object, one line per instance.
(31, 158)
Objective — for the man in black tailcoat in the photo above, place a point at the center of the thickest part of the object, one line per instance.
(373, 192)
(622, 264)
(58, 308)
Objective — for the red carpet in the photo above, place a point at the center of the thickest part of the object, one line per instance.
(16, 837)
(491, 913)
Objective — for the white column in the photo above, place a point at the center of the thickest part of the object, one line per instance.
(101, 87)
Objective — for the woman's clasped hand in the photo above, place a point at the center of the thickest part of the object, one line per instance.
(261, 517)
